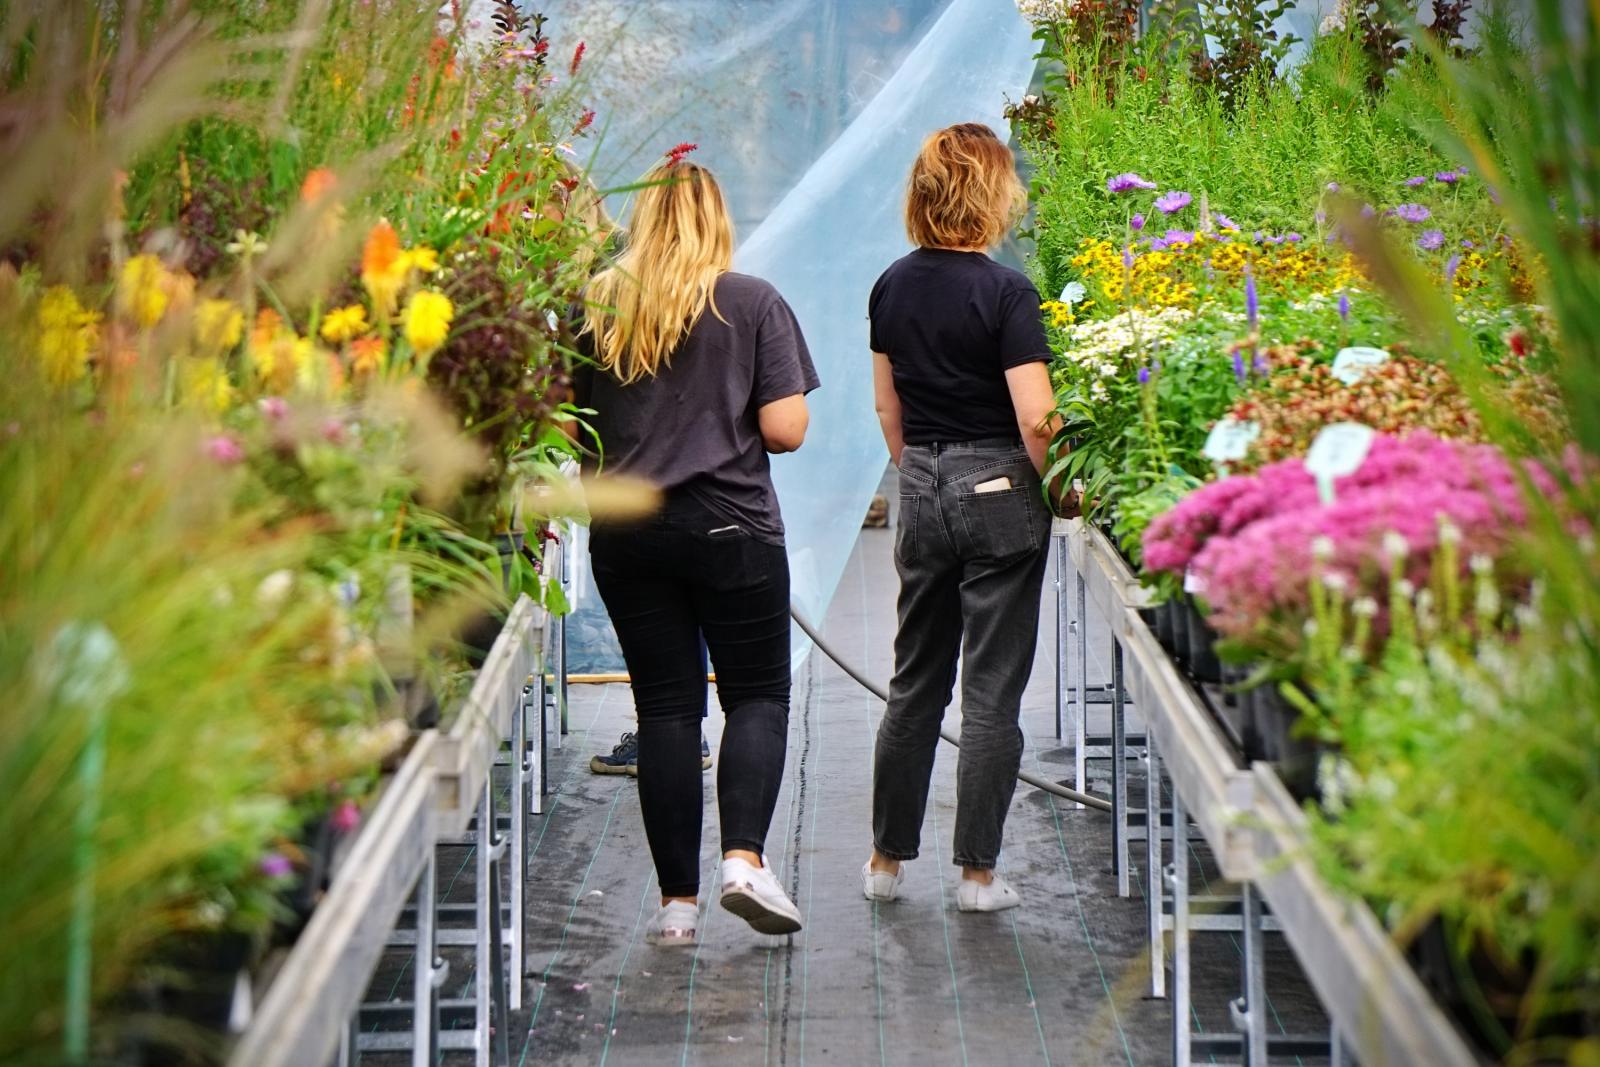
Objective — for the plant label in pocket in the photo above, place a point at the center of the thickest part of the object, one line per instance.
(1338, 450)
(1229, 440)
(1351, 363)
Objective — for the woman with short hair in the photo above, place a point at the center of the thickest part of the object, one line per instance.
(699, 374)
(964, 399)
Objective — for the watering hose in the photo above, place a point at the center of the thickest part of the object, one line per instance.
(883, 694)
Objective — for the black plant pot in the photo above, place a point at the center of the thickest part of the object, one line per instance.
(1203, 663)
(1243, 711)
(316, 843)
(1160, 618)
(1296, 758)
(1151, 617)
(1178, 615)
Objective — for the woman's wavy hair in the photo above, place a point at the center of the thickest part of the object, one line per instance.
(679, 242)
(964, 191)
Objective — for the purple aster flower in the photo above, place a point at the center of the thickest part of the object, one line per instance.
(1123, 183)
(1224, 222)
(1144, 375)
(1431, 240)
(1173, 201)
(1292, 237)
(1127, 257)
(276, 865)
(1368, 211)
(1252, 302)
(1411, 213)
(1420, 179)
(1256, 237)
(1321, 217)
(1179, 237)
(1239, 372)
(1452, 265)
(1344, 306)
(1467, 244)
(1333, 187)
(1447, 177)
(1136, 223)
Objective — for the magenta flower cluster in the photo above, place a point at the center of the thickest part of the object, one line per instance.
(1252, 540)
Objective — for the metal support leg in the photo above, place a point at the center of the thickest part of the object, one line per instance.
(427, 970)
(1080, 741)
(1249, 1011)
(1339, 1054)
(500, 1025)
(533, 754)
(348, 1053)
(519, 844)
(1119, 773)
(547, 683)
(1061, 630)
(489, 1014)
(561, 633)
(1182, 1032)
(1154, 871)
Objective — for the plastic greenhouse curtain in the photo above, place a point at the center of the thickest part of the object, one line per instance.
(811, 112)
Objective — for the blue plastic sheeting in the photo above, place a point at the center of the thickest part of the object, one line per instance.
(811, 112)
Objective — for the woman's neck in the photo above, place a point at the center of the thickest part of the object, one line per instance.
(955, 248)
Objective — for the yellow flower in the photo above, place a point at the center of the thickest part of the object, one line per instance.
(206, 385)
(142, 290)
(368, 355)
(427, 321)
(421, 258)
(218, 326)
(344, 324)
(66, 334)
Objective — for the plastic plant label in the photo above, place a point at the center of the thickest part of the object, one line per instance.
(1193, 584)
(1338, 450)
(1351, 363)
(1230, 440)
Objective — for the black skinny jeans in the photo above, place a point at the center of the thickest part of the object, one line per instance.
(665, 583)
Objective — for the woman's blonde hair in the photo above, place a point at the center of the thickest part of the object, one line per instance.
(680, 241)
(964, 191)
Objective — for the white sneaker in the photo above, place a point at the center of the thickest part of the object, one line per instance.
(673, 925)
(881, 885)
(754, 894)
(973, 895)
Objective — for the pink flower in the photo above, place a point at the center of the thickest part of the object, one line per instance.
(346, 817)
(224, 449)
(276, 865)
(274, 408)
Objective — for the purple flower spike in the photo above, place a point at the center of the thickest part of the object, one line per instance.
(1127, 257)
(1252, 302)
(1450, 268)
(1260, 364)
(1412, 213)
(1136, 223)
(1238, 367)
(1144, 375)
(1344, 306)
(1431, 240)
(276, 865)
(1173, 201)
(1123, 183)
(1420, 179)
(1224, 222)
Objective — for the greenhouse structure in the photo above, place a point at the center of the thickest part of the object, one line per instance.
(420, 417)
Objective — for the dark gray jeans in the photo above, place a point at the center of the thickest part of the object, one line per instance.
(971, 565)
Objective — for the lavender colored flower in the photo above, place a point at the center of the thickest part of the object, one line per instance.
(1447, 177)
(1344, 306)
(1260, 364)
(1467, 244)
(1411, 213)
(1179, 237)
(1136, 223)
(1292, 237)
(1252, 302)
(1224, 222)
(1239, 372)
(1144, 375)
(1431, 240)
(1127, 257)
(1368, 211)
(1174, 201)
(1321, 217)
(1420, 179)
(1452, 265)
(1158, 244)
(276, 865)
(1333, 187)
(1123, 183)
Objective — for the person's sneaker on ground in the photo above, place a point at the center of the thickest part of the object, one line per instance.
(973, 895)
(881, 885)
(624, 759)
(673, 925)
(705, 754)
(754, 894)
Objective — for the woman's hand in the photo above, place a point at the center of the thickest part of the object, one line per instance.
(1034, 402)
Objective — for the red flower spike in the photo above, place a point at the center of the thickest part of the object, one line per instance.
(584, 123)
(675, 156)
(577, 58)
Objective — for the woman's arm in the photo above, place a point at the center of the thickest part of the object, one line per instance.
(783, 423)
(1034, 402)
(887, 402)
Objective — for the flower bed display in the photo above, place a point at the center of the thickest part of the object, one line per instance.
(1241, 264)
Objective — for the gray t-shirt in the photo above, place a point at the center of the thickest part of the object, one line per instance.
(692, 428)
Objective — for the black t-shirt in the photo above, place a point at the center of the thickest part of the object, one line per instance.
(693, 428)
(952, 323)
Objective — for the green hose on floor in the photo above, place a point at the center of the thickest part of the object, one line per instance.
(883, 694)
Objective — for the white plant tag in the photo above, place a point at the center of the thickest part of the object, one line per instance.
(1338, 450)
(1351, 363)
(1193, 584)
(1229, 440)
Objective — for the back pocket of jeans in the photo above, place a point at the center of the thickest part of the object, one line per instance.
(1004, 523)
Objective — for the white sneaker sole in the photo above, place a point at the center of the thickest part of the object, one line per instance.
(762, 916)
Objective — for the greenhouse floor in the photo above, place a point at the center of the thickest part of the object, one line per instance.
(1060, 980)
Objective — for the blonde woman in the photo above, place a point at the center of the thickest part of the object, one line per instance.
(964, 398)
(699, 374)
